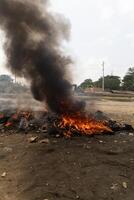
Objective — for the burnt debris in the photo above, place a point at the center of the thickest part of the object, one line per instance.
(47, 123)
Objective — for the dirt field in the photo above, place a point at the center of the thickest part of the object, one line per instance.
(122, 111)
(84, 168)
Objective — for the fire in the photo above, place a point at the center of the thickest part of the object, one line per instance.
(11, 120)
(15, 116)
(67, 124)
(26, 114)
(8, 124)
(83, 125)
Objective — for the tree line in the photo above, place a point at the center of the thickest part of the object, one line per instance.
(7, 85)
(112, 82)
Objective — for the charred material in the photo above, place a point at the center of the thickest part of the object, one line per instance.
(115, 126)
(53, 124)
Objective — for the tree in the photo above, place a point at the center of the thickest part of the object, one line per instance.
(128, 80)
(86, 84)
(111, 82)
(6, 83)
(6, 78)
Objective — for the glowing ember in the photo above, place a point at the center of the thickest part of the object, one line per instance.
(8, 124)
(83, 125)
(15, 116)
(67, 124)
(11, 120)
(26, 114)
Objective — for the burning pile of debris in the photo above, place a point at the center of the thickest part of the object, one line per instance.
(21, 121)
(62, 125)
(34, 38)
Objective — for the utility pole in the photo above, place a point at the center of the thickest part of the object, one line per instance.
(103, 74)
(15, 75)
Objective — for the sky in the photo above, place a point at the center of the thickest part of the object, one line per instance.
(101, 30)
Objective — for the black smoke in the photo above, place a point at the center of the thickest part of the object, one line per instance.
(33, 48)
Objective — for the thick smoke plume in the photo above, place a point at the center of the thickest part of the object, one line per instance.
(33, 49)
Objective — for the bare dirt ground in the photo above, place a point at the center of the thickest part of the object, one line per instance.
(117, 110)
(85, 168)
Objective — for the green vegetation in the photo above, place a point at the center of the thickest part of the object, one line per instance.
(6, 78)
(8, 86)
(112, 82)
(128, 80)
(86, 84)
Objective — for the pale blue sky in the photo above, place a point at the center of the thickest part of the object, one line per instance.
(100, 30)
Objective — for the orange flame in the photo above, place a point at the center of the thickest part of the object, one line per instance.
(83, 125)
(26, 114)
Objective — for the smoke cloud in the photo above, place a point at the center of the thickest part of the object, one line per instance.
(33, 49)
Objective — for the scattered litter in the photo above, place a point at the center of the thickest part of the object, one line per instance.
(100, 141)
(33, 139)
(45, 141)
(3, 174)
(114, 186)
(8, 149)
(131, 134)
(115, 141)
(57, 135)
(124, 184)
